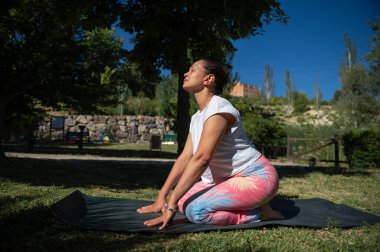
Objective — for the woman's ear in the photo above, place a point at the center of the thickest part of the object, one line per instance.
(209, 79)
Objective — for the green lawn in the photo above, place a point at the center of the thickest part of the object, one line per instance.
(29, 186)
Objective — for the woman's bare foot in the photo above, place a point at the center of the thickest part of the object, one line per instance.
(267, 213)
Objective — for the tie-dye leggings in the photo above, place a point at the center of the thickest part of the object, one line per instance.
(235, 200)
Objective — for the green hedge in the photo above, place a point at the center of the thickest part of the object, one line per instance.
(267, 134)
(362, 148)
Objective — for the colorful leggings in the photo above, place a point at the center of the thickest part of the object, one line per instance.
(235, 200)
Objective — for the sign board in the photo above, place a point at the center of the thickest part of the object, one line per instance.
(57, 122)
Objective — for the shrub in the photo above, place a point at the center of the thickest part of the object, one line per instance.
(362, 148)
(301, 102)
(267, 134)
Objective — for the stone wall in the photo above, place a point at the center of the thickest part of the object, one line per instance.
(132, 129)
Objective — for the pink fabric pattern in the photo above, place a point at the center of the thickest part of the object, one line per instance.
(235, 200)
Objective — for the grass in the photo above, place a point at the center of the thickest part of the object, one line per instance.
(29, 186)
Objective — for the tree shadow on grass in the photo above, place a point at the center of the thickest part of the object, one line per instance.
(116, 174)
(85, 173)
(38, 229)
(299, 171)
(91, 149)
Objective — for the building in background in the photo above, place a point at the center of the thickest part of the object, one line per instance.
(241, 89)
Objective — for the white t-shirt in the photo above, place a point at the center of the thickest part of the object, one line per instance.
(234, 153)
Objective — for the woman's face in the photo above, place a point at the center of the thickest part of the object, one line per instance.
(194, 78)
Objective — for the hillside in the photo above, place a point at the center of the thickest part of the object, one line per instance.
(323, 116)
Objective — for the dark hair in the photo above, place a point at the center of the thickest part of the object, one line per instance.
(221, 76)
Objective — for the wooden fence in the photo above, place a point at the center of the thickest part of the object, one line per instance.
(330, 141)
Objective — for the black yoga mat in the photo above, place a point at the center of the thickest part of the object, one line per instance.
(112, 214)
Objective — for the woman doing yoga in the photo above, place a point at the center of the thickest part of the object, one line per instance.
(237, 181)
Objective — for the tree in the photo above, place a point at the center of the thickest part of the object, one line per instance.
(94, 82)
(41, 50)
(289, 91)
(268, 85)
(317, 98)
(356, 104)
(166, 96)
(350, 54)
(373, 59)
(171, 34)
(129, 81)
(301, 102)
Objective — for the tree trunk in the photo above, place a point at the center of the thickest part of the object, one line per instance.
(3, 105)
(183, 104)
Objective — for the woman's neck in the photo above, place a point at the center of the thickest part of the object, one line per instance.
(203, 98)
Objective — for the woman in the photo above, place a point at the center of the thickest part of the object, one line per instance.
(237, 181)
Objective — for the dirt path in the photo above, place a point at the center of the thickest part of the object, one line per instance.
(87, 157)
(101, 158)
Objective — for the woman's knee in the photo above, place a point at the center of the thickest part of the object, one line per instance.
(196, 214)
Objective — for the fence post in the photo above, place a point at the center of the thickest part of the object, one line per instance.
(336, 148)
(80, 141)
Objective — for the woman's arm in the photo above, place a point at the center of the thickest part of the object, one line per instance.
(172, 179)
(213, 130)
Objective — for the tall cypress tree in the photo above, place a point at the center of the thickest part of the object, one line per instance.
(268, 85)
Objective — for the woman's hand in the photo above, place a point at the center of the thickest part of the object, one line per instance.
(156, 207)
(164, 219)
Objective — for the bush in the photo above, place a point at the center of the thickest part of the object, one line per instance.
(267, 134)
(362, 148)
(301, 102)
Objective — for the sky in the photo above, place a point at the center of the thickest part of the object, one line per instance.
(311, 45)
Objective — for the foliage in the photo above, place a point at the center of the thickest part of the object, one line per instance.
(260, 125)
(349, 58)
(356, 105)
(52, 54)
(141, 106)
(318, 98)
(248, 105)
(23, 120)
(323, 131)
(374, 56)
(301, 102)
(289, 91)
(266, 134)
(277, 100)
(362, 148)
(127, 82)
(373, 59)
(94, 83)
(35, 63)
(166, 96)
(135, 81)
(357, 102)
